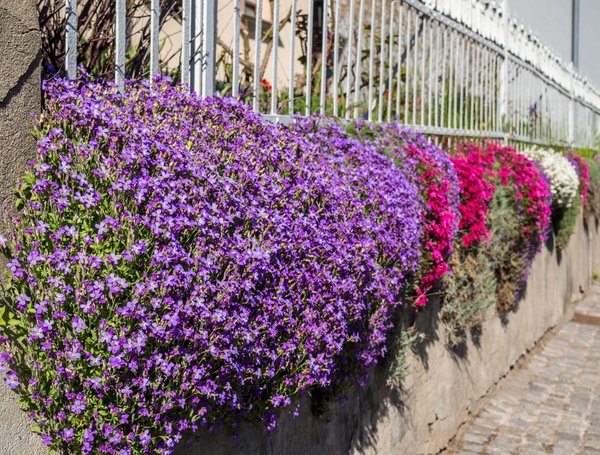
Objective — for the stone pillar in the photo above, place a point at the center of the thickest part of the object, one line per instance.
(20, 62)
(20, 59)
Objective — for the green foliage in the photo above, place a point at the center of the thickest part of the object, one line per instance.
(564, 223)
(509, 261)
(592, 206)
(587, 153)
(398, 365)
(488, 273)
(469, 290)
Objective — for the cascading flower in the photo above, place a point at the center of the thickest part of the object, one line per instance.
(431, 168)
(181, 262)
(475, 168)
(564, 181)
(583, 171)
(392, 203)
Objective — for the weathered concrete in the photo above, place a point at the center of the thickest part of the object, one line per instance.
(20, 57)
(551, 402)
(444, 385)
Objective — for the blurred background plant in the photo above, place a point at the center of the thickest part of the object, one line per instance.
(96, 22)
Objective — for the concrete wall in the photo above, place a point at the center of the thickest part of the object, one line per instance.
(19, 101)
(444, 385)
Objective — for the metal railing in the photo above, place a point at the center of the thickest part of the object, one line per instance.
(444, 67)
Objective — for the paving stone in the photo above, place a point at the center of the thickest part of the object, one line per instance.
(551, 405)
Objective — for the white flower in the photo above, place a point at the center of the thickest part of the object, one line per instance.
(564, 181)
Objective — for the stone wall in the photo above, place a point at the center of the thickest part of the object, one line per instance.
(444, 385)
(20, 57)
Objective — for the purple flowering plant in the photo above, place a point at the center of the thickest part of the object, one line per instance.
(392, 204)
(180, 262)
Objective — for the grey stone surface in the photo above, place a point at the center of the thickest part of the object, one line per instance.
(20, 55)
(444, 386)
(566, 415)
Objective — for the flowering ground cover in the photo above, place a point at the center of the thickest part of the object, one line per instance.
(432, 170)
(178, 262)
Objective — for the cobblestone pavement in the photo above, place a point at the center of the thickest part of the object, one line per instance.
(550, 405)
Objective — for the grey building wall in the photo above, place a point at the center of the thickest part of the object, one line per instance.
(589, 40)
(551, 20)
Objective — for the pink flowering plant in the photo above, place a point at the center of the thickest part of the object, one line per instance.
(583, 171)
(475, 169)
(527, 198)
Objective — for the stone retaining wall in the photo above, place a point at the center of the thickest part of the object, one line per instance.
(444, 385)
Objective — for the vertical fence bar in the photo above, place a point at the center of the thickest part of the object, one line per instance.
(336, 57)
(358, 66)
(209, 46)
(120, 37)
(275, 39)
(197, 52)
(235, 76)
(154, 37)
(186, 40)
(430, 57)
(349, 67)
(466, 83)
(457, 80)
(399, 62)
(446, 45)
(503, 110)
(257, 44)
(451, 77)
(391, 62)
(407, 69)
(486, 67)
(475, 87)
(371, 61)
(309, 52)
(415, 68)
(292, 58)
(71, 39)
(495, 82)
(381, 63)
(323, 58)
(424, 24)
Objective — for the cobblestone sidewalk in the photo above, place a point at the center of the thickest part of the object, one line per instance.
(551, 405)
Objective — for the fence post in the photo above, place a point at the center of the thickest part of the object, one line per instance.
(572, 109)
(120, 43)
(209, 29)
(502, 113)
(71, 39)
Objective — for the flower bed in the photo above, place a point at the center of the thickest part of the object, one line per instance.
(179, 262)
(434, 172)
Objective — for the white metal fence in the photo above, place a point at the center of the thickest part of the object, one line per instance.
(445, 67)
